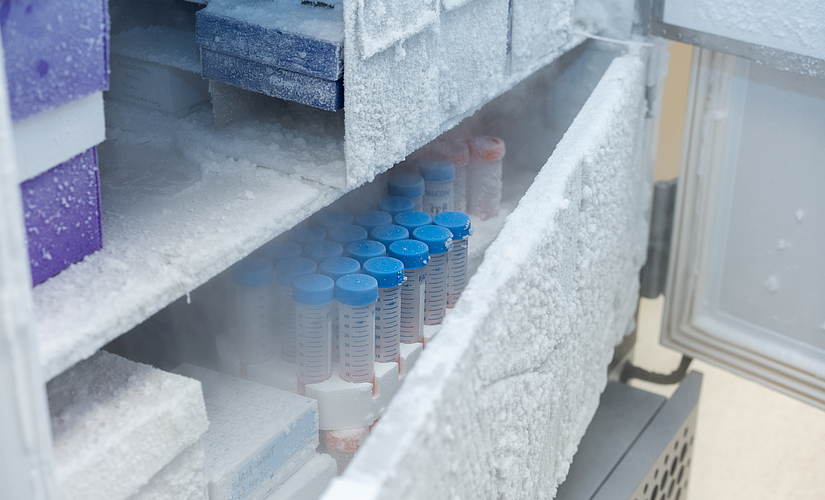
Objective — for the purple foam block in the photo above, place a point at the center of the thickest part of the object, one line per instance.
(56, 51)
(62, 212)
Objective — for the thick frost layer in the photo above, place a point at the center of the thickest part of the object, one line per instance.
(284, 15)
(181, 479)
(414, 69)
(497, 404)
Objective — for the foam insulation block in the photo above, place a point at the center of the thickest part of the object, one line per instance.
(257, 436)
(117, 423)
(55, 51)
(181, 479)
(408, 356)
(62, 214)
(308, 482)
(536, 26)
(282, 34)
(501, 397)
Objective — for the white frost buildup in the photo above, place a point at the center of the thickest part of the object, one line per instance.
(501, 397)
(117, 423)
(772, 284)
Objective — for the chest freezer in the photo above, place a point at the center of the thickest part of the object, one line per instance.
(501, 399)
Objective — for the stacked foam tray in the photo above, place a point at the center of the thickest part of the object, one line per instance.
(57, 67)
(281, 48)
(124, 430)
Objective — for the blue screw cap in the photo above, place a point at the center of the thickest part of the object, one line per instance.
(457, 222)
(277, 251)
(413, 254)
(365, 250)
(252, 272)
(437, 171)
(305, 233)
(289, 269)
(322, 250)
(413, 220)
(394, 205)
(438, 239)
(347, 234)
(339, 266)
(356, 289)
(330, 219)
(389, 272)
(406, 185)
(369, 220)
(313, 290)
(387, 233)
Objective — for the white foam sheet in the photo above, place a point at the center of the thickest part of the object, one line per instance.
(499, 400)
(117, 423)
(308, 482)
(181, 479)
(415, 69)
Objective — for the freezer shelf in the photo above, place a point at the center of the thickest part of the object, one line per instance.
(505, 391)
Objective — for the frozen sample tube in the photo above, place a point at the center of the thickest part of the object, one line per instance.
(330, 219)
(457, 153)
(348, 234)
(287, 271)
(389, 273)
(320, 251)
(414, 255)
(438, 186)
(461, 229)
(313, 294)
(387, 233)
(365, 250)
(356, 295)
(254, 335)
(369, 220)
(409, 186)
(439, 241)
(336, 268)
(484, 176)
(395, 205)
(413, 220)
(306, 233)
(276, 251)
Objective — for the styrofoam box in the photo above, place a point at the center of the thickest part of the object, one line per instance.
(181, 479)
(258, 435)
(308, 482)
(117, 423)
(156, 86)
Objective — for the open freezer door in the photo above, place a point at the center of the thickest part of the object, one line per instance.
(784, 34)
(746, 280)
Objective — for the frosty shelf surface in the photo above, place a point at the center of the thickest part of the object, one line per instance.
(180, 204)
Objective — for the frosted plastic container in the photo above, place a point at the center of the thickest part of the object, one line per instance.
(362, 251)
(409, 186)
(413, 220)
(348, 234)
(389, 273)
(254, 334)
(330, 219)
(287, 271)
(395, 205)
(369, 220)
(356, 295)
(336, 268)
(306, 233)
(484, 176)
(313, 294)
(438, 186)
(414, 255)
(457, 153)
(388, 233)
(461, 229)
(320, 251)
(439, 241)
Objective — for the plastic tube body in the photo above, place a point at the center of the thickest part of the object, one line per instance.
(287, 323)
(457, 271)
(357, 336)
(314, 342)
(412, 305)
(254, 337)
(435, 297)
(387, 324)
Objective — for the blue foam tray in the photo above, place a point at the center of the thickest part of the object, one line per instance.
(272, 81)
(296, 52)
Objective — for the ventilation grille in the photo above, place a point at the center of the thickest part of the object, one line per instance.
(668, 478)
